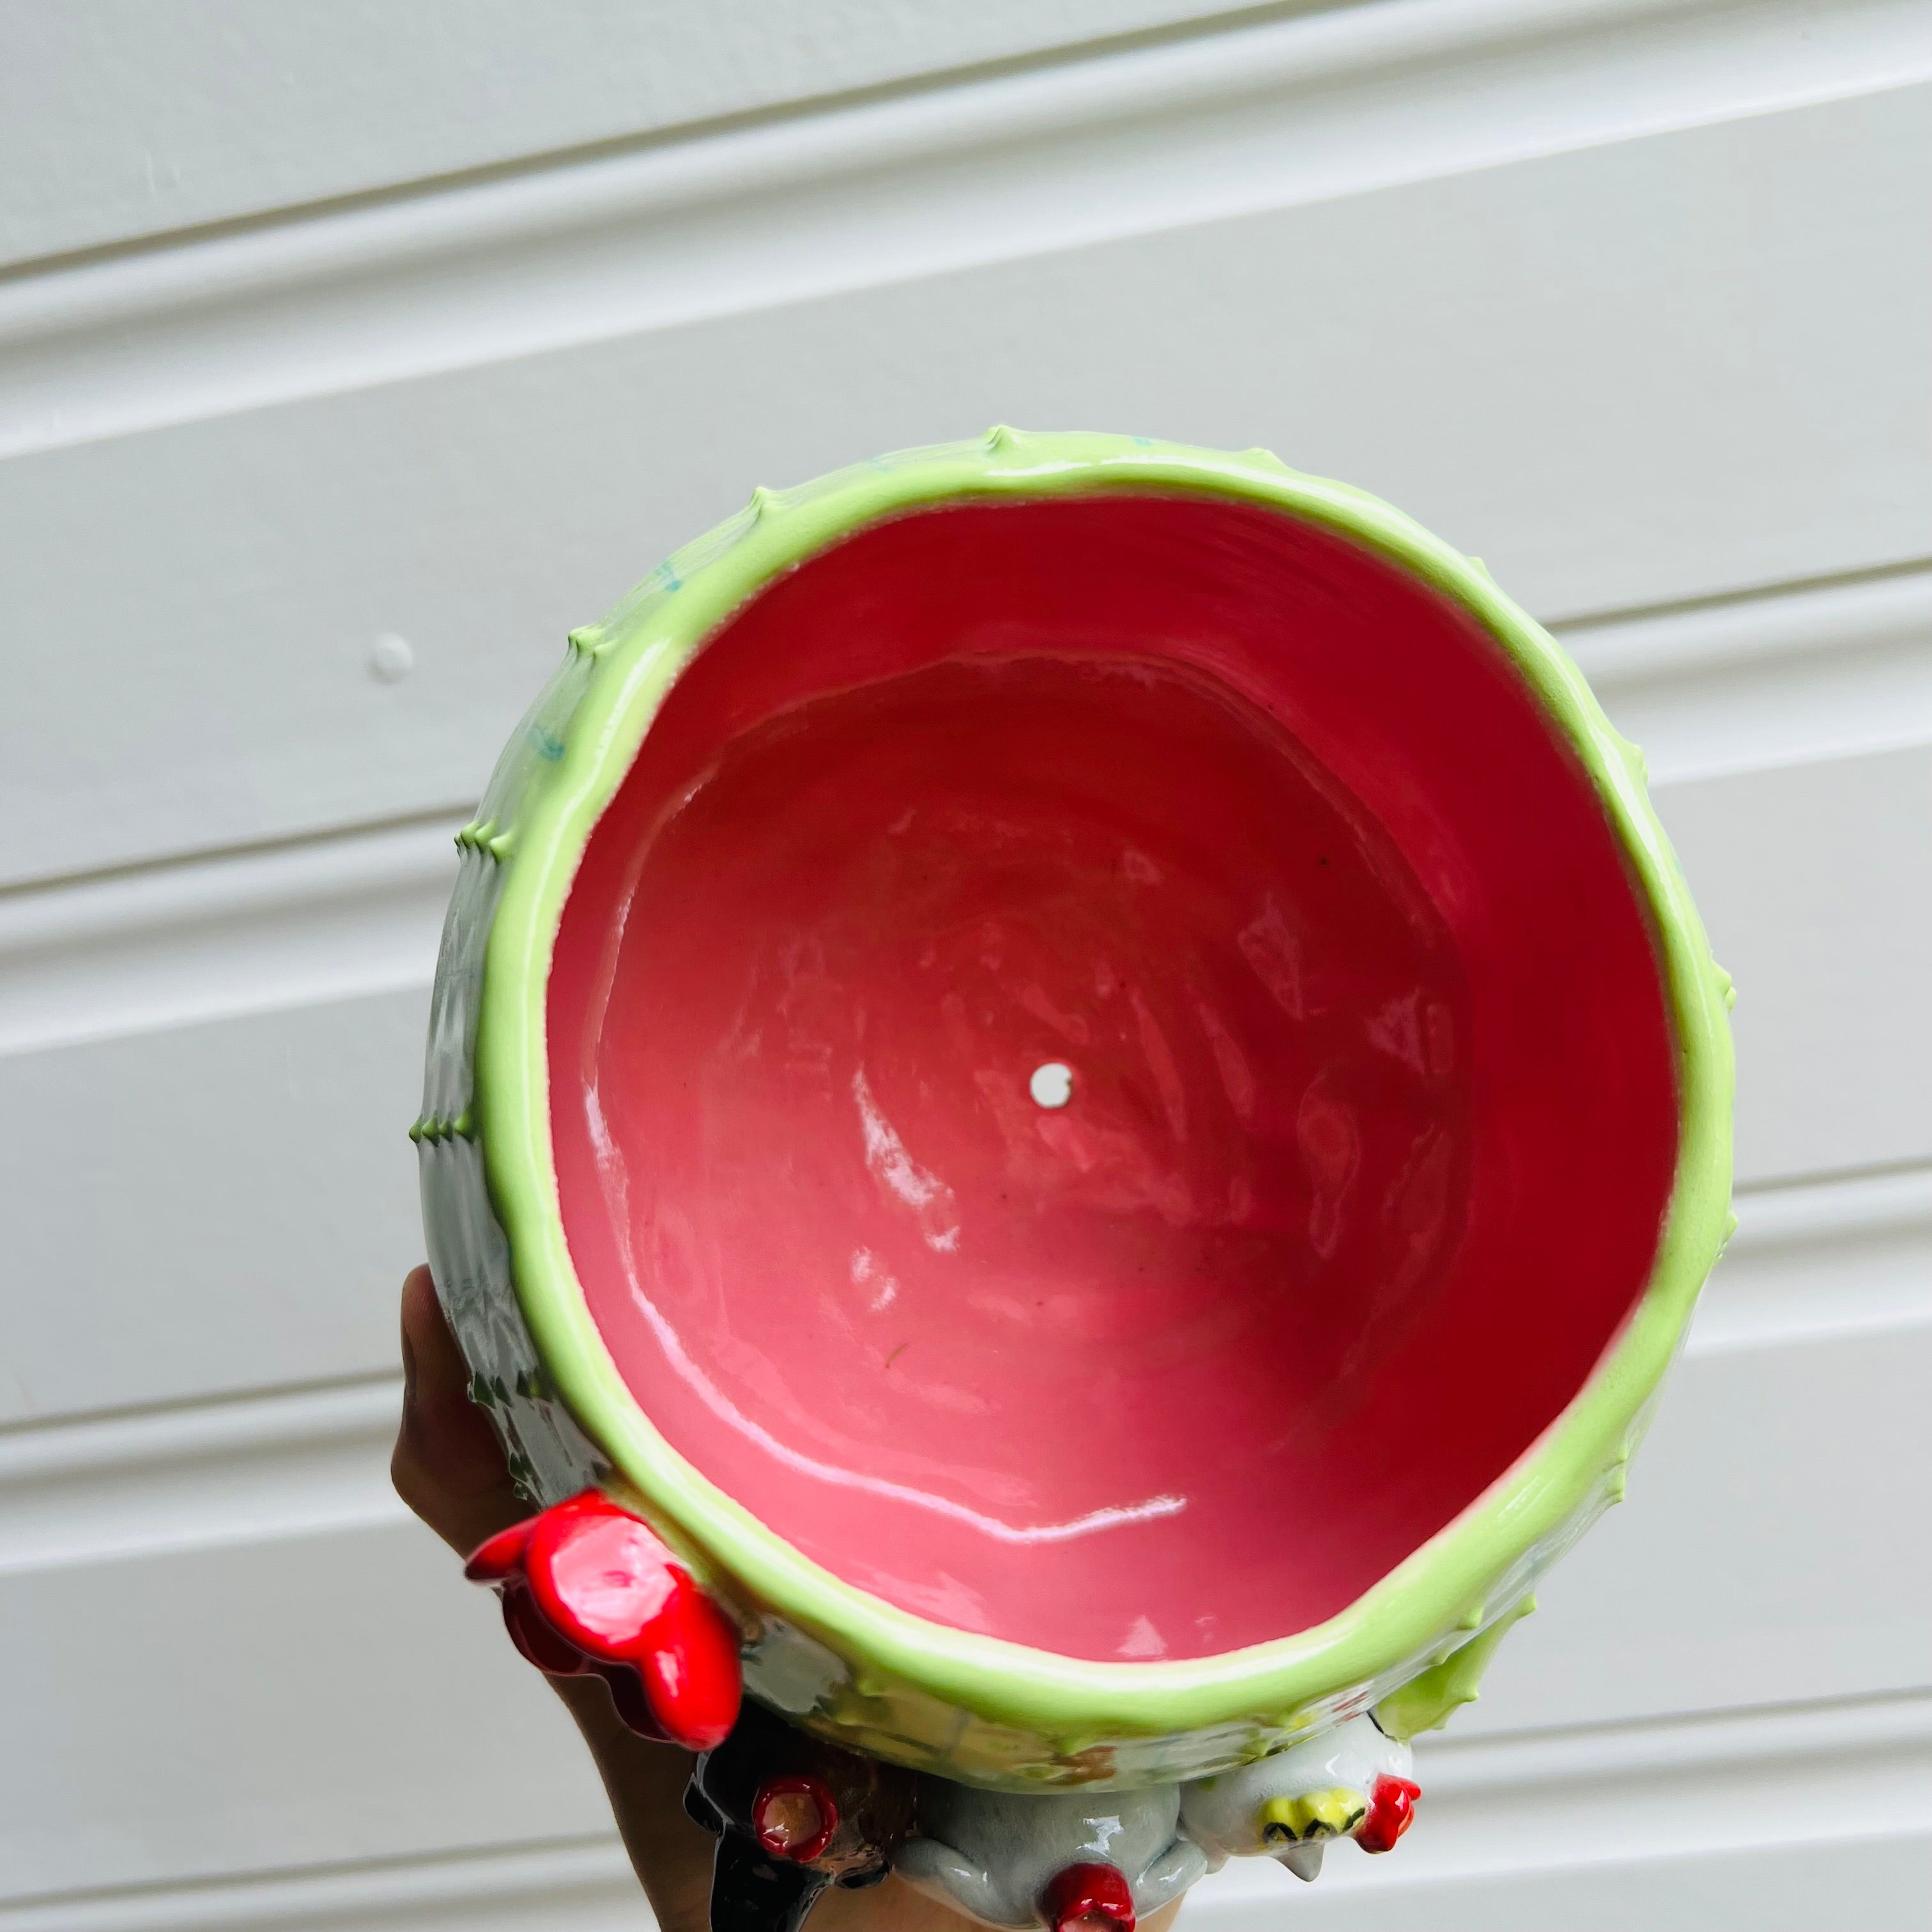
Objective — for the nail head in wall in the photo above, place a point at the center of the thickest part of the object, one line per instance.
(391, 660)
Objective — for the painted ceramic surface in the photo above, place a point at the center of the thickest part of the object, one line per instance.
(1264, 841)
(1057, 1859)
(1353, 1782)
(794, 1815)
(1291, 856)
(588, 1589)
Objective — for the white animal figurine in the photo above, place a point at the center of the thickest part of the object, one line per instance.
(1352, 1782)
(1073, 1862)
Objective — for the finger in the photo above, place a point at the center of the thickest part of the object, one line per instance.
(645, 1782)
(447, 1466)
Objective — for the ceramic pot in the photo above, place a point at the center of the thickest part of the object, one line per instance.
(1078, 1069)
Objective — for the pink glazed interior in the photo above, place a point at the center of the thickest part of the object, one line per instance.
(1371, 1123)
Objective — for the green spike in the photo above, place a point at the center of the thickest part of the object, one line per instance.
(1429, 1699)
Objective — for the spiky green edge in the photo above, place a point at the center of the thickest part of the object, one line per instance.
(638, 652)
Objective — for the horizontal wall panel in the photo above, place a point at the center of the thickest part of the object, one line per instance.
(1797, 677)
(293, 1702)
(351, 353)
(313, 923)
(1840, 1258)
(1719, 321)
(208, 1475)
(1829, 670)
(1815, 882)
(1772, 1820)
(229, 1204)
(1687, 1597)
(1310, 105)
(1831, 1264)
(214, 1208)
(1860, 1879)
(1790, 1819)
(115, 123)
(578, 1885)
(232, 1724)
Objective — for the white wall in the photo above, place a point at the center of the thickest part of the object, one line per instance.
(330, 320)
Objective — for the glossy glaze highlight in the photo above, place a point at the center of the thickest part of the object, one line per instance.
(1369, 1118)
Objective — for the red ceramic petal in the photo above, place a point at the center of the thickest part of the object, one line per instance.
(600, 1576)
(586, 1502)
(602, 1593)
(794, 1817)
(536, 1641)
(502, 1555)
(628, 1698)
(1391, 1812)
(690, 1669)
(1089, 1898)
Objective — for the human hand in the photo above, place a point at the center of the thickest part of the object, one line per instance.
(448, 1467)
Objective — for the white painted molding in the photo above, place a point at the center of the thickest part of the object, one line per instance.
(1810, 673)
(1273, 115)
(1831, 1212)
(586, 1884)
(1825, 1259)
(1820, 1259)
(200, 1476)
(216, 937)
(1603, 1795)
(1817, 1775)
(1825, 672)
(120, 126)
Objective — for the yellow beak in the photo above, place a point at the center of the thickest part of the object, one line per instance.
(1332, 1814)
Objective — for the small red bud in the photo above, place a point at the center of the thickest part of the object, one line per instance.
(1391, 1812)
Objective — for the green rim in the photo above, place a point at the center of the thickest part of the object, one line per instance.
(638, 652)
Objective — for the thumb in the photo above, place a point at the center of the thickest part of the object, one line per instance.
(447, 1466)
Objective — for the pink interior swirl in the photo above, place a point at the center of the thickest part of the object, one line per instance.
(1372, 1119)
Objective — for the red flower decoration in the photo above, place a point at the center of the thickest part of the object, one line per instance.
(794, 1817)
(1089, 1898)
(590, 1590)
(1391, 1812)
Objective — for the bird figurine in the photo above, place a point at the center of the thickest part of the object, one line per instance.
(1352, 1782)
(1069, 1860)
